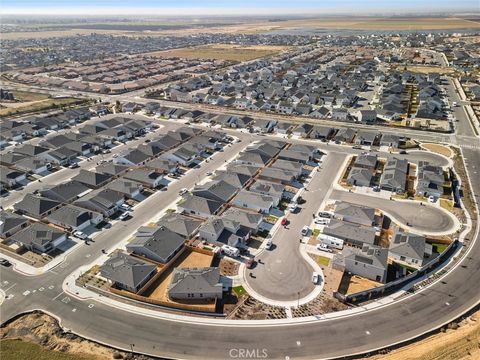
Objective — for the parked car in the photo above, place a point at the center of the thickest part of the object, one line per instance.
(322, 221)
(325, 214)
(208, 173)
(284, 222)
(315, 277)
(80, 235)
(403, 152)
(305, 230)
(5, 262)
(268, 244)
(300, 200)
(432, 199)
(73, 166)
(124, 216)
(249, 263)
(292, 207)
(376, 188)
(126, 207)
(324, 247)
(182, 191)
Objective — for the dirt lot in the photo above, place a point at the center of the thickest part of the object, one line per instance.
(188, 259)
(430, 69)
(223, 52)
(357, 283)
(34, 106)
(38, 328)
(460, 344)
(439, 149)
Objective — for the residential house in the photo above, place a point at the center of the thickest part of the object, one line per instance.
(74, 218)
(36, 206)
(156, 243)
(10, 223)
(254, 201)
(147, 177)
(408, 248)
(39, 238)
(351, 233)
(92, 179)
(65, 192)
(222, 231)
(247, 219)
(127, 272)
(105, 201)
(200, 206)
(431, 179)
(182, 225)
(195, 284)
(355, 214)
(394, 177)
(369, 262)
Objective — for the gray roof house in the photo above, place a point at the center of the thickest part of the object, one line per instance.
(92, 179)
(251, 158)
(366, 161)
(195, 284)
(351, 233)
(36, 206)
(66, 192)
(112, 169)
(10, 223)
(360, 176)
(235, 179)
(282, 176)
(292, 155)
(200, 206)
(127, 272)
(367, 138)
(182, 225)
(431, 180)
(222, 231)
(73, 218)
(345, 135)
(394, 177)
(105, 201)
(39, 238)
(247, 219)
(354, 213)
(370, 262)
(217, 190)
(292, 166)
(148, 177)
(409, 248)
(254, 201)
(274, 190)
(129, 188)
(156, 243)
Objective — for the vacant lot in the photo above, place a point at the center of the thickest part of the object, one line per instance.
(25, 96)
(9, 109)
(223, 52)
(430, 69)
(460, 344)
(439, 149)
(20, 350)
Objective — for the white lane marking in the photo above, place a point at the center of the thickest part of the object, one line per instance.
(91, 306)
(51, 287)
(367, 332)
(41, 289)
(299, 343)
(25, 293)
(10, 287)
(447, 303)
(66, 300)
(74, 310)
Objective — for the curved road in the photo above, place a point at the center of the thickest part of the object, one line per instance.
(426, 218)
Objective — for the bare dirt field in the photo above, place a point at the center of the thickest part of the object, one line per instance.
(439, 149)
(62, 33)
(462, 343)
(223, 52)
(358, 284)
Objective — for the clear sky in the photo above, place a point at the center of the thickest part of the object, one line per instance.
(231, 7)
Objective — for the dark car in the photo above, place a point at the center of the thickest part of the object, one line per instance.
(5, 262)
(300, 200)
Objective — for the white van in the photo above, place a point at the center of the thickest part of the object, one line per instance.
(315, 277)
(305, 230)
(322, 221)
(268, 244)
(326, 214)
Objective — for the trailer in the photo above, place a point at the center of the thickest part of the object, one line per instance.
(330, 241)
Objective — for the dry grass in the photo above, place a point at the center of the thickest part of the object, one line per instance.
(430, 69)
(460, 344)
(358, 284)
(223, 52)
(438, 149)
(35, 106)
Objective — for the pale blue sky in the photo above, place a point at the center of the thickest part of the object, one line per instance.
(200, 7)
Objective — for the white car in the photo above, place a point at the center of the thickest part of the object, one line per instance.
(80, 235)
(126, 207)
(208, 173)
(305, 230)
(315, 277)
(124, 216)
(292, 207)
(432, 199)
(322, 221)
(268, 244)
(182, 191)
(323, 247)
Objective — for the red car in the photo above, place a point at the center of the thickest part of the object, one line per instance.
(284, 221)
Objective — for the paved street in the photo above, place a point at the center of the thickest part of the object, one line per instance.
(283, 274)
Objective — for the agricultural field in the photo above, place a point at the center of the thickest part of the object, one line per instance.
(224, 52)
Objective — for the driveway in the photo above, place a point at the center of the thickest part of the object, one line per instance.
(283, 274)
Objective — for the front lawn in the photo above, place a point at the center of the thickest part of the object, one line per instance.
(316, 232)
(439, 248)
(239, 290)
(323, 260)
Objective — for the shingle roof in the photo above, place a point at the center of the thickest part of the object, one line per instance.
(35, 205)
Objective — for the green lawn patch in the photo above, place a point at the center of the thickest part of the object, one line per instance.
(20, 350)
(439, 248)
(239, 290)
(315, 233)
(323, 260)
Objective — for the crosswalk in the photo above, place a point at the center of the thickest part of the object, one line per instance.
(474, 147)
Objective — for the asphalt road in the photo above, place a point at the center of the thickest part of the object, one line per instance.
(283, 274)
(423, 218)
